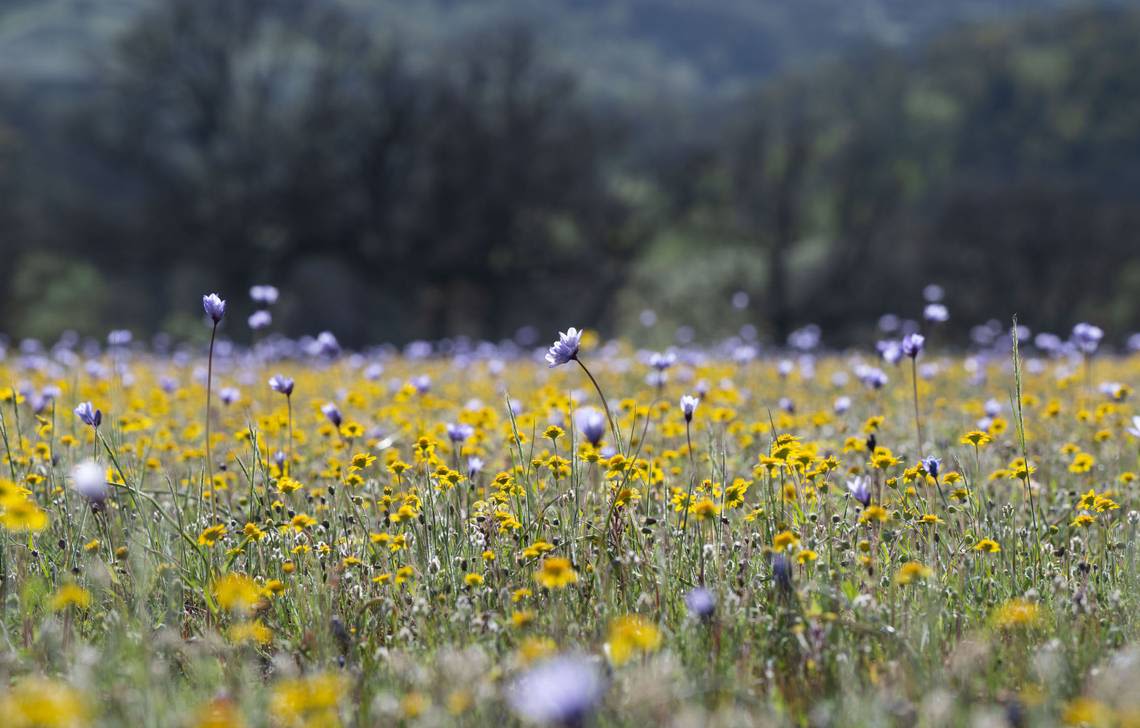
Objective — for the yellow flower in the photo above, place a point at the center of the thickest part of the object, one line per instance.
(1084, 520)
(806, 556)
(629, 636)
(987, 546)
(977, 438)
(308, 701)
(874, 513)
(37, 702)
(237, 592)
(250, 632)
(218, 713)
(473, 580)
(1082, 463)
(784, 540)
(912, 571)
(22, 515)
(705, 510)
(70, 595)
(556, 573)
(211, 535)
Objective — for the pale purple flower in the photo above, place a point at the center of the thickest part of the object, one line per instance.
(912, 345)
(782, 572)
(89, 480)
(700, 602)
(229, 395)
(421, 383)
(474, 466)
(1087, 337)
(661, 361)
(214, 306)
(282, 384)
(842, 404)
(592, 423)
(1134, 430)
(936, 313)
(332, 413)
(689, 406)
(932, 293)
(563, 690)
(265, 295)
(890, 350)
(457, 433)
(87, 413)
(119, 337)
(565, 349)
(860, 489)
(932, 465)
(260, 319)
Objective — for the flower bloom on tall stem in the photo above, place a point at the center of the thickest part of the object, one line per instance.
(860, 489)
(1087, 337)
(332, 413)
(689, 406)
(912, 345)
(214, 306)
(282, 384)
(592, 424)
(931, 465)
(457, 433)
(565, 349)
(87, 413)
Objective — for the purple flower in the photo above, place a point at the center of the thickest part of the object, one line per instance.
(782, 572)
(229, 395)
(459, 432)
(1134, 430)
(215, 307)
(474, 466)
(592, 423)
(260, 319)
(562, 691)
(658, 361)
(890, 351)
(842, 404)
(932, 464)
(565, 349)
(281, 384)
(265, 295)
(700, 602)
(912, 344)
(89, 415)
(689, 406)
(860, 490)
(331, 413)
(1087, 337)
(936, 313)
(421, 383)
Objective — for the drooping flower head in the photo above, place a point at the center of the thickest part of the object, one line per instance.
(282, 384)
(932, 464)
(89, 480)
(87, 413)
(214, 306)
(689, 406)
(563, 690)
(565, 349)
(912, 345)
(331, 413)
(860, 490)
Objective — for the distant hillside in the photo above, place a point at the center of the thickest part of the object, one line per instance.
(623, 48)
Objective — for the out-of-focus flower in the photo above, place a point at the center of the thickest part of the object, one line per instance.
(860, 489)
(260, 319)
(592, 423)
(282, 384)
(563, 691)
(87, 413)
(332, 413)
(936, 313)
(263, 294)
(689, 406)
(660, 361)
(460, 432)
(89, 479)
(782, 572)
(912, 344)
(932, 293)
(229, 395)
(629, 636)
(214, 306)
(565, 349)
(932, 464)
(474, 466)
(700, 602)
(1087, 337)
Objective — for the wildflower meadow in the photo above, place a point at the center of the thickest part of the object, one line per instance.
(584, 533)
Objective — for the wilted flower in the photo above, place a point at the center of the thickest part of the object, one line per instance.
(688, 406)
(700, 602)
(912, 344)
(214, 306)
(562, 691)
(89, 415)
(89, 480)
(565, 349)
(265, 295)
(282, 384)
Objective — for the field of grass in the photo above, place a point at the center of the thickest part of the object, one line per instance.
(467, 538)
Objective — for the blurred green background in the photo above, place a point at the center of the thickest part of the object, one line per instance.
(406, 170)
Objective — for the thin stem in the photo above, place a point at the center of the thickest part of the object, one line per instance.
(605, 405)
(917, 416)
(209, 391)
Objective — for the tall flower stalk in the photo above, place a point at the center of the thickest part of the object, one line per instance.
(566, 350)
(215, 308)
(284, 385)
(912, 347)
